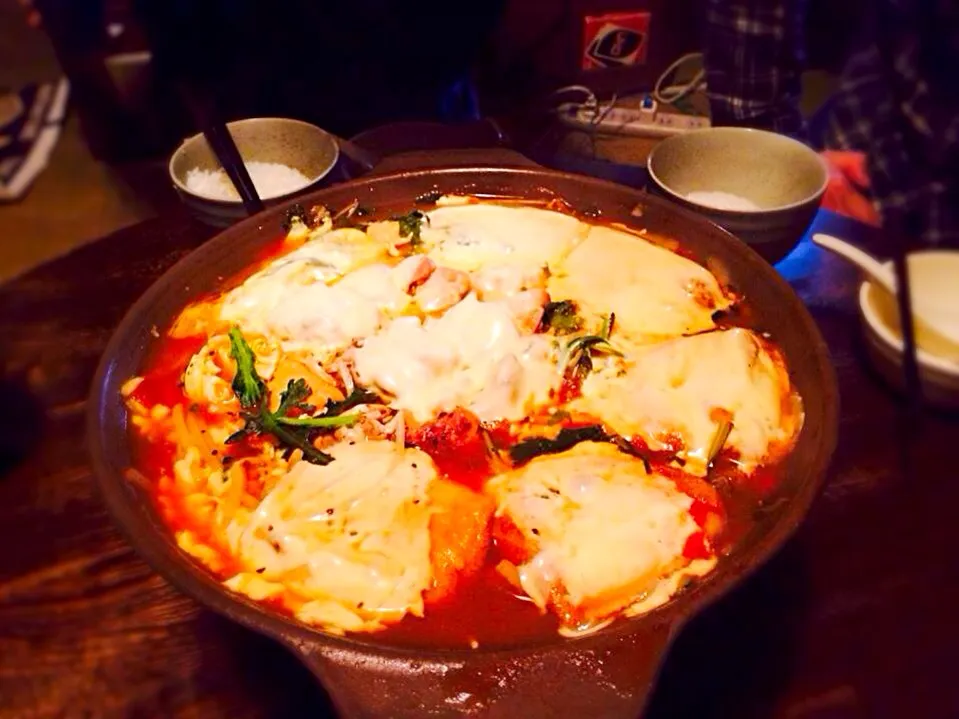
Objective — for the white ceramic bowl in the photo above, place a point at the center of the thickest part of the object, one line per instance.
(784, 180)
(932, 272)
(294, 143)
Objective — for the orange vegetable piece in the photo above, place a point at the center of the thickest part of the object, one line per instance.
(454, 440)
(511, 543)
(459, 536)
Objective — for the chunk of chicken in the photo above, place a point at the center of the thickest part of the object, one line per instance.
(443, 289)
(527, 308)
(493, 283)
(413, 271)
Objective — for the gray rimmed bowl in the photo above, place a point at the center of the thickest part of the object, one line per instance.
(293, 143)
(783, 178)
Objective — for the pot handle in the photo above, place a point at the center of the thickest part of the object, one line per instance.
(606, 676)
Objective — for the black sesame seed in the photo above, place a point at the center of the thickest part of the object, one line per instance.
(329, 510)
(261, 570)
(535, 531)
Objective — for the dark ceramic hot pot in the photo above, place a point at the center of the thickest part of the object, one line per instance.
(608, 674)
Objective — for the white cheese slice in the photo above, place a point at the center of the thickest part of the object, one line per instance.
(676, 387)
(469, 237)
(318, 317)
(289, 281)
(604, 532)
(474, 356)
(655, 293)
(351, 538)
(333, 254)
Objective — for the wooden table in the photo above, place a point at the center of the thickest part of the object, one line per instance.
(856, 617)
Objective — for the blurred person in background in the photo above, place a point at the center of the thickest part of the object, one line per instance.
(890, 134)
(343, 65)
(346, 66)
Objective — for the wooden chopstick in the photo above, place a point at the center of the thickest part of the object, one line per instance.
(221, 142)
(902, 230)
(901, 244)
(201, 104)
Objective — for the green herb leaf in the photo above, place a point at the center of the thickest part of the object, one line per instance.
(579, 367)
(342, 420)
(562, 317)
(566, 439)
(719, 439)
(291, 432)
(607, 330)
(294, 439)
(357, 397)
(296, 214)
(411, 225)
(292, 398)
(240, 434)
(590, 343)
(247, 385)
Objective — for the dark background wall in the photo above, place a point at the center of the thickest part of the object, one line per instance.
(350, 65)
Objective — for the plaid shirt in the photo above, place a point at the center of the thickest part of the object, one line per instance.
(905, 120)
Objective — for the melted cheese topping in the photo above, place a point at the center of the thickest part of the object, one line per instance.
(604, 531)
(470, 237)
(351, 538)
(655, 293)
(294, 283)
(474, 356)
(677, 387)
(313, 315)
(347, 546)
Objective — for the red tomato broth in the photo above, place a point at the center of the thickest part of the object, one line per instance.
(484, 606)
(163, 371)
(486, 609)
(455, 443)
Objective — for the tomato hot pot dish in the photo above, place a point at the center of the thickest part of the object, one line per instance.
(472, 423)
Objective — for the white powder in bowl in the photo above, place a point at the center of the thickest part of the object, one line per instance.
(723, 201)
(271, 179)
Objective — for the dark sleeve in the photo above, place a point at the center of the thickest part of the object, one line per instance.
(754, 57)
